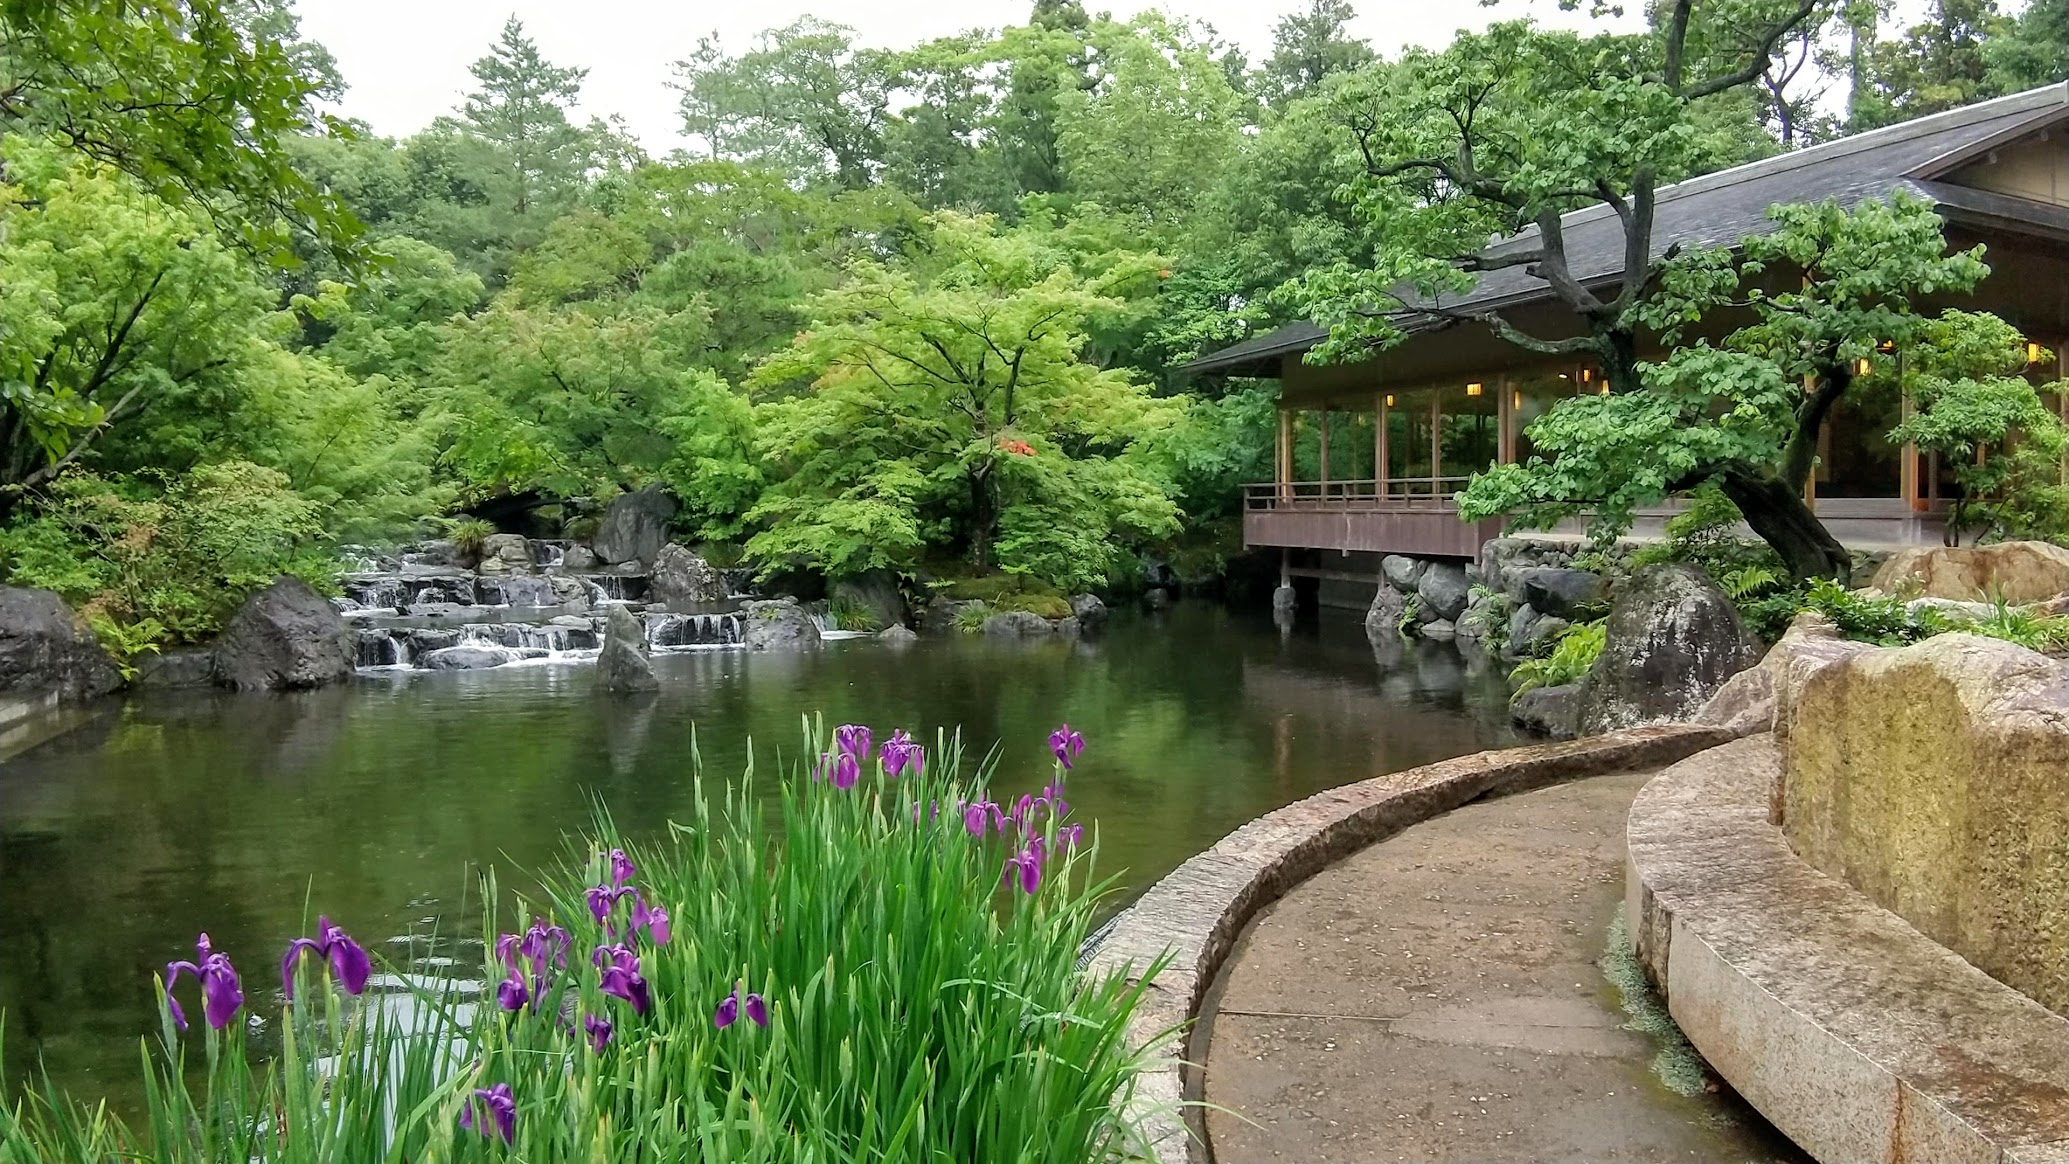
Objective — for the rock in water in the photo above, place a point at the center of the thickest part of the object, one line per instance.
(875, 591)
(1088, 610)
(1017, 624)
(1285, 600)
(1673, 640)
(578, 558)
(1383, 617)
(2017, 572)
(681, 576)
(1548, 711)
(777, 625)
(899, 636)
(506, 554)
(1445, 592)
(471, 657)
(1403, 573)
(44, 650)
(635, 527)
(623, 664)
(285, 637)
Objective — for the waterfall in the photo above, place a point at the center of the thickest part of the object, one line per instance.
(692, 630)
(529, 636)
(545, 553)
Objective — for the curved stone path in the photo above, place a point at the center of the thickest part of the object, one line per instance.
(1444, 996)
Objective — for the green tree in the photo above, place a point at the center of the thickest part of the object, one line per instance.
(2032, 50)
(1043, 60)
(194, 99)
(1937, 64)
(1310, 45)
(520, 109)
(1829, 290)
(804, 100)
(948, 408)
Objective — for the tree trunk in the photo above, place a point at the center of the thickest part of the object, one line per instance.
(1780, 517)
(983, 515)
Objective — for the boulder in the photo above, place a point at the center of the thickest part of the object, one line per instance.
(1521, 621)
(1935, 779)
(506, 554)
(285, 637)
(634, 526)
(423, 642)
(1442, 630)
(777, 625)
(1548, 711)
(1403, 573)
(517, 590)
(622, 665)
(1673, 640)
(44, 650)
(2016, 572)
(578, 558)
(1017, 624)
(572, 593)
(680, 576)
(1754, 700)
(1544, 631)
(1284, 598)
(1445, 591)
(471, 657)
(183, 667)
(1088, 610)
(1558, 591)
(875, 591)
(1383, 617)
(899, 636)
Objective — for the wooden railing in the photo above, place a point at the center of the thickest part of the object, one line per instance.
(1395, 493)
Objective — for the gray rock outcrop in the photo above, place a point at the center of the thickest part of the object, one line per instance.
(777, 625)
(1673, 640)
(899, 636)
(285, 637)
(471, 657)
(1088, 610)
(1559, 591)
(680, 576)
(1403, 573)
(1548, 711)
(578, 558)
(505, 554)
(1445, 591)
(634, 527)
(1383, 617)
(181, 667)
(45, 651)
(875, 591)
(622, 665)
(1017, 624)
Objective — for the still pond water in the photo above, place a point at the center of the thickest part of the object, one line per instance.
(378, 802)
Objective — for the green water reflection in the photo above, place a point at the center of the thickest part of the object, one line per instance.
(376, 801)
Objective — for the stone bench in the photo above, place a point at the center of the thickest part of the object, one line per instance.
(1853, 1033)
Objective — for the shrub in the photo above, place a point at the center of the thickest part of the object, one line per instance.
(184, 554)
(1490, 611)
(1571, 657)
(469, 535)
(866, 989)
(848, 615)
(1873, 618)
(970, 619)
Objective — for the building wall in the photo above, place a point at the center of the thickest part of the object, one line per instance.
(2036, 169)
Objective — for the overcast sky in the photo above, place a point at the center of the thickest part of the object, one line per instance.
(406, 60)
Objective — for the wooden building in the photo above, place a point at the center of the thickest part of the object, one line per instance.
(1371, 454)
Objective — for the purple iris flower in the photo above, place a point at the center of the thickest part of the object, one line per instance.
(974, 816)
(846, 771)
(348, 958)
(1066, 744)
(500, 1105)
(604, 898)
(1057, 805)
(1027, 865)
(654, 919)
(1070, 835)
(621, 976)
(222, 992)
(621, 867)
(599, 1029)
(511, 993)
(900, 754)
(729, 1008)
(853, 740)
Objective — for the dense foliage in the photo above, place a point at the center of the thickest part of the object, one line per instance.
(911, 307)
(919, 1000)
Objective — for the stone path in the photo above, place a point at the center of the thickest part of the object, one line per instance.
(1442, 997)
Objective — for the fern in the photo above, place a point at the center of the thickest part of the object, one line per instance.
(125, 641)
(1571, 657)
(1748, 582)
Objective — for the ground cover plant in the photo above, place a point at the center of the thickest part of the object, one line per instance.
(879, 963)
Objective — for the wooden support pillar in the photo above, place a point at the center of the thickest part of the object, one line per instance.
(1380, 467)
(1285, 467)
(1907, 468)
(1810, 479)
(1505, 423)
(1322, 454)
(1436, 438)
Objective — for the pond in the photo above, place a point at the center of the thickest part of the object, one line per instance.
(378, 802)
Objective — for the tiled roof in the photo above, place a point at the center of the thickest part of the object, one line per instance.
(1729, 205)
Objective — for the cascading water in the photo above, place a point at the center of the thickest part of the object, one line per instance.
(692, 630)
